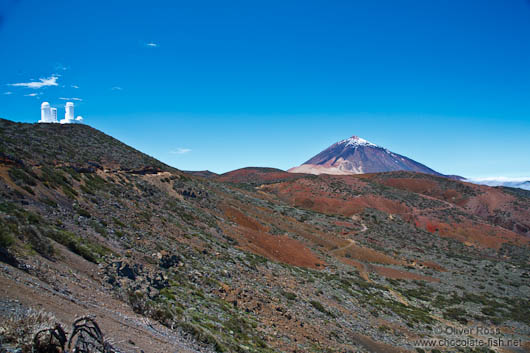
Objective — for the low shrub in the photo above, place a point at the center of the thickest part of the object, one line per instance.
(289, 295)
(21, 177)
(37, 241)
(6, 238)
(19, 328)
(88, 250)
(320, 307)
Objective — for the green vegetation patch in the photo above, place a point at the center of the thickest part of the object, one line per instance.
(89, 250)
(289, 295)
(210, 320)
(6, 237)
(317, 305)
(22, 177)
(54, 177)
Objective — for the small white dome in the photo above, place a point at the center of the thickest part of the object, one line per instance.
(45, 104)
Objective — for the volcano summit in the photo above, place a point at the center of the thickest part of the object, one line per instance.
(356, 155)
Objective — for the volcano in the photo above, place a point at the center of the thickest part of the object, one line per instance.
(356, 155)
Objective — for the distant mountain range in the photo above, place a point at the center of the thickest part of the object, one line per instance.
(358, 156)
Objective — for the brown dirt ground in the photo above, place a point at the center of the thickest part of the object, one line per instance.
(85, 296)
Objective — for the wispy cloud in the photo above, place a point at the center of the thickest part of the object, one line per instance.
(70, 99)
(74, 86)
(181, 151)
(8, 93)
(32, 95)
(61, 67)
(117, 88)
(151, 44)
(42, 82)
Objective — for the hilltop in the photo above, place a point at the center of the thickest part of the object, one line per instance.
(255, 260)
(75, 145)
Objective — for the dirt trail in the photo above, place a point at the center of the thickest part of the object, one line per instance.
(351, 243)
(120, 325)
(399, 297)
(364, 273)
(365, 228)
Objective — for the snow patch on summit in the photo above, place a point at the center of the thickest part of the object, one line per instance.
(356, 141)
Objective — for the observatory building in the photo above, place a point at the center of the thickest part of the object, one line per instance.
(68, 113)
(49, 114)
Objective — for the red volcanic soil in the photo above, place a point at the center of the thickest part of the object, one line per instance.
(331, 205)
(254, 237)
(281, 248)
(426, 187)
(471, 233)
(420, 186)
(341, 195)
(318, 195)
(489, 200)
(388, 272)
(238, 217)
(364, 254)
(350, 195)
(432, 265)
(489, 203)
(359, 266)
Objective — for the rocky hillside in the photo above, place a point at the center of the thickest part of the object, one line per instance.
(357, 156)
(256, 260)
(77, 146)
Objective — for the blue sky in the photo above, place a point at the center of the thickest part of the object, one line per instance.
(223, 85)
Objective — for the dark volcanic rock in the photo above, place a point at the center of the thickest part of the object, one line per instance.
(168, 261)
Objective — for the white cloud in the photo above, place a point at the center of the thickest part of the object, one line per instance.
(181, 151)
(43, 82)
(70, 99)
(8, 93)
(116, 88)
(514, 182)
(32, 95)
(152, 45)
(74, 86)
(500, 179)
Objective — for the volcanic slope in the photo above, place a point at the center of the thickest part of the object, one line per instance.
(298, 263)
(357, 156)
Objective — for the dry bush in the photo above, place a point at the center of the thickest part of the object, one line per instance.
(19, 329)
